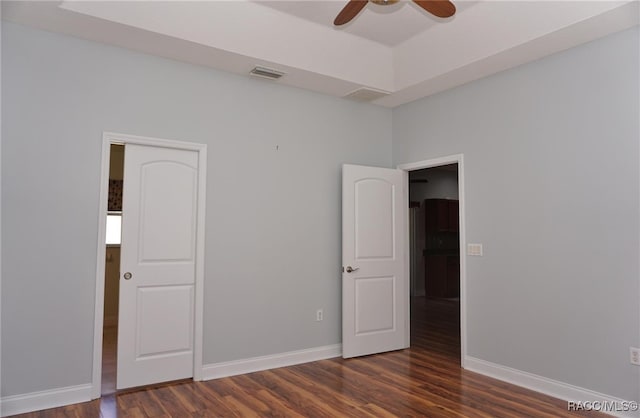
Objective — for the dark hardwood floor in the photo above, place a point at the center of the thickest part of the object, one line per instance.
(109, 359)
(423, 381)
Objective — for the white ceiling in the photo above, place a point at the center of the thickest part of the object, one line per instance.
(398, 49)
(388, 25)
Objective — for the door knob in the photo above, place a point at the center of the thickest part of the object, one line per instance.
(128, 276)
(351, 269)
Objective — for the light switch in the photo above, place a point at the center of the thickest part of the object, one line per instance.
(474, 249)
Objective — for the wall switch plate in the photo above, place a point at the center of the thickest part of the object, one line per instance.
(634, 355)
(319, 315)
(474, 249)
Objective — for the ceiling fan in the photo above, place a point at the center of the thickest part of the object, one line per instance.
(439, 8)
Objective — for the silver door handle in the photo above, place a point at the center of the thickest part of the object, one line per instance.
(128, 276)
(351, 269)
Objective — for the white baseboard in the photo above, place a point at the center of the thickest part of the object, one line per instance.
(255, 364)
(548, 386)
(36, 401)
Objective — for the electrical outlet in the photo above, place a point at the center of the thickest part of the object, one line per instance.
(635, 355)
(319, 315)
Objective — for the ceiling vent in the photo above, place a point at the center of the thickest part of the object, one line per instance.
(267, 73)
(365, 94)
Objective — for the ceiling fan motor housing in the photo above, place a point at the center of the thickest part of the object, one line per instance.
(383, 2)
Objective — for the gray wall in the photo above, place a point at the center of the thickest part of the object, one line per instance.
(552, 179)
(272, 255)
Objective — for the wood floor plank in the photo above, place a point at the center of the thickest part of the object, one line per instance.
(303, 399)
(342, 405)
(278, 407)
(423, 381)
(247, 399)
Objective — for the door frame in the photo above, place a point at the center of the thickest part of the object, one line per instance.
(432, 163)
(109, 138)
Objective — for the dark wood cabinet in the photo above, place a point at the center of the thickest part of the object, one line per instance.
(442, 249)
(435, 272)
(453, 217)
(453, 276)
(441, 215)
(442, 276)
(436, 215)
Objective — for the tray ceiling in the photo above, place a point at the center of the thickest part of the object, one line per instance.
(397, 49)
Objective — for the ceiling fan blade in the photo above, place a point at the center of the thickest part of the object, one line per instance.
(349, 12)
(440, 8)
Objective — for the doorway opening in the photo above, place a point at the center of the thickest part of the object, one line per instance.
(112, 269)
(167, 179)
(435, 261)
(434, 253)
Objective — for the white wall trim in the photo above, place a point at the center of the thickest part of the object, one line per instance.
(0, 212)
(98, 318)
(256, 364)
(437, 162)
(198, 343)
(36, 401)
(109, 138)
(545, 385)
(407, 257)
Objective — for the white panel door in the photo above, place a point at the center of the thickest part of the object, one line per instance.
(156, 315)
(375, 298)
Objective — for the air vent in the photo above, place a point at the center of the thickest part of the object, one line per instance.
(268, 73)
(365, 94)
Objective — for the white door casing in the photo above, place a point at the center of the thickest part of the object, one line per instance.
(438, 162)
(375, 295)
(158, 266)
